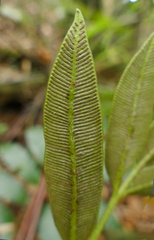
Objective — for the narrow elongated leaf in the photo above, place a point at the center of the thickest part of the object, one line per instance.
(73, 137)
(131, 113)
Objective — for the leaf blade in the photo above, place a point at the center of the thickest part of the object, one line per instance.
(142, 183)
(73, 136)
(132, 113)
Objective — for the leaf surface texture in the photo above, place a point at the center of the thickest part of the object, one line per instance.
(132, 113)
(144, 180)
(73, 137)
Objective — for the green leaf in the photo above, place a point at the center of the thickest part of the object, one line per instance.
(73, 137)
(47, 228)
(142, 183)
(11, 189)
(150, 144)
(17, 158)
(132, 114)
(6, 214)
(35, 142)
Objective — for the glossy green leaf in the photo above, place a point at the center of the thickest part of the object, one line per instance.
(132, 113)
(73, 137)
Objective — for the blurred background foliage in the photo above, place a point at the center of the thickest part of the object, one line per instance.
(30, 35)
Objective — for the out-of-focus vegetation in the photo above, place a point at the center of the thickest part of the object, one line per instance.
(30, 34)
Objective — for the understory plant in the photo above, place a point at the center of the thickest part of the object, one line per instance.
(74, 136)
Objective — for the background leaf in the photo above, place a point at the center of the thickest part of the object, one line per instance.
(73, 136)
(35, 142)
(6, 214)
(142, 183)
(17, 158)
(132, 113)
(44, 231)
(14, 192)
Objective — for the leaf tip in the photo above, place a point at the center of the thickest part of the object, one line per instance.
(78, 15)
(78, 11)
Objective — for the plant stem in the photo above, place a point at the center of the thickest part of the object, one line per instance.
(117, 195)
(135, 171)
(113, 201)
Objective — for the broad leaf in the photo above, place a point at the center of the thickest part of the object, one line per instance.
(132, 113)
(73, 137)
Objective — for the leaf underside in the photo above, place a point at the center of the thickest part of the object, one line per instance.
(132, 113)
(142, 183)
(73, 137)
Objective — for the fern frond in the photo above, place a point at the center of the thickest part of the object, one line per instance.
(132, 113)
(73, 137)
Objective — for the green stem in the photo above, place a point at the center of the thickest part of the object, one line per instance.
(135, 171)
(119, 194)
(113, 201)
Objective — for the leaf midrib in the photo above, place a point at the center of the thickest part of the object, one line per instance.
(132, 118)
(73, 227)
